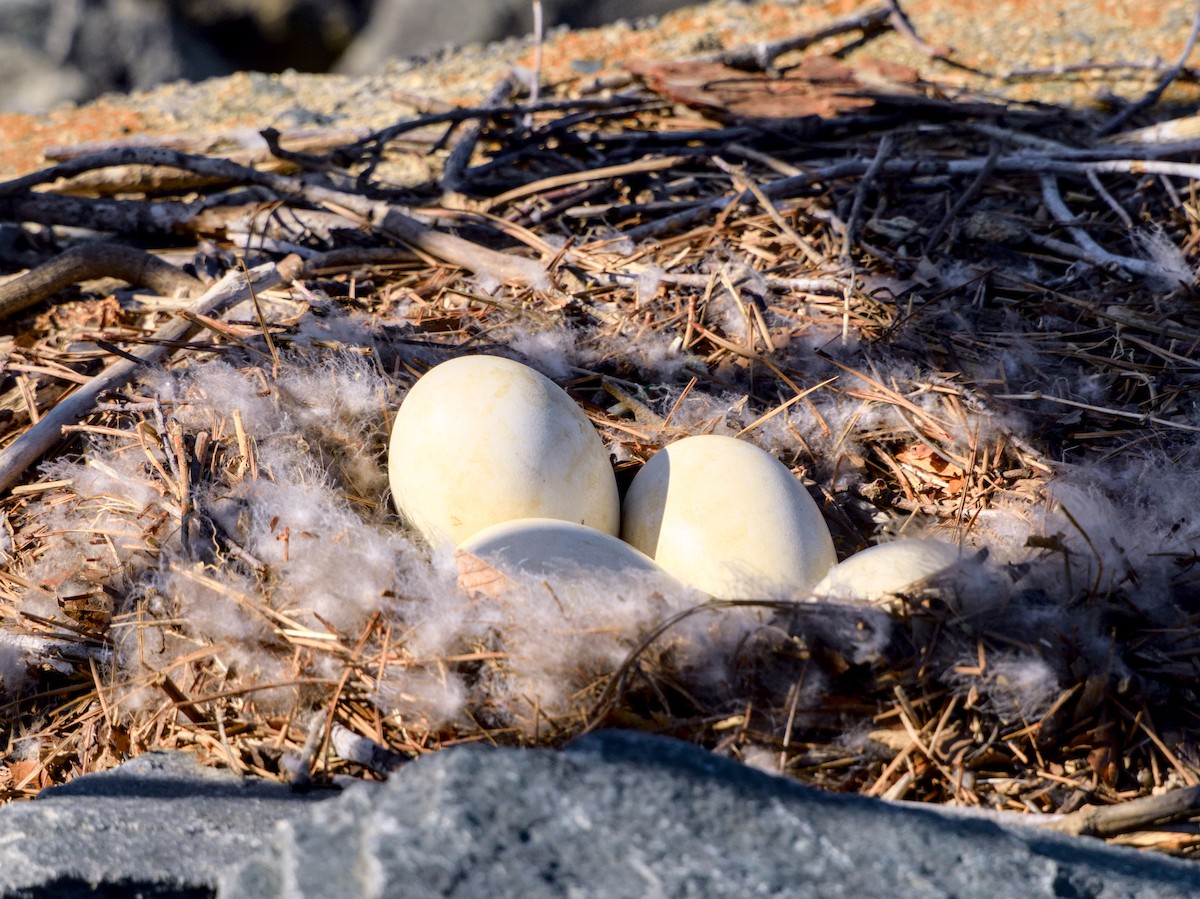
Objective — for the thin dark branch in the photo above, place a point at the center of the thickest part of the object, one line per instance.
(762, 55)
(1157, 91)
(964, 198)
(860, 195)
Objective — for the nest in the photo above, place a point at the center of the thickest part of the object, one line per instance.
(948, 313)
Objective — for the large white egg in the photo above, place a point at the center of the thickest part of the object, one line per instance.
(887, 570)
(727, 518)
(480, 440)
(553, 550)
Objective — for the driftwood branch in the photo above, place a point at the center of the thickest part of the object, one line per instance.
(1126, 817)
(1092, 251)
(384, 217)
(94, 260)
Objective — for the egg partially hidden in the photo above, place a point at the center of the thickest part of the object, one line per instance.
(728, 518)
(886, 570)
(481, 440)
(559, 552)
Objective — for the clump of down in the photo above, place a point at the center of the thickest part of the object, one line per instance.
(287, 539)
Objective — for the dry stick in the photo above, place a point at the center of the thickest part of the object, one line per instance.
(761, 55)
(1136, 814)
(964, 198)
(1019, 163)
(1157, 91)
(100, 214)
(1110, 200)
(1140, 417)
(388, 219)
(830, 285)
(453, 172)
(94, 260)
(246, 146)
(582, 177)
(860, 195)
(899, 20)
(539, 36)
(461, 115)
(42, 437)
(1058, 209)
(742, 181)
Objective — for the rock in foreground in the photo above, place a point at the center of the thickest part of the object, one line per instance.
(622, 815)
(617, 815)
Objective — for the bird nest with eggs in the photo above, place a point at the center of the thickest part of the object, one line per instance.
(949, 340)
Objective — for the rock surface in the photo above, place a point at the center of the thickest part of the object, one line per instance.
(159, 825)
(57, 51)
(624, 815)
(616, 815)
(400, 28)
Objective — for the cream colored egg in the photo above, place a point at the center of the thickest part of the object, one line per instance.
(557, 551)
(727, 518)
(887, 570)
(481, 440)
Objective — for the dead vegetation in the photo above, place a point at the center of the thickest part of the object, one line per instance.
(946, 312)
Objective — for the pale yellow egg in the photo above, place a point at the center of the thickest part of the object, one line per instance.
(728, 518)
(557, 552)
(886, 570)
(481, 440)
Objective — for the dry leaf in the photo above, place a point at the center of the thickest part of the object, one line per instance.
(818, 86)
(479, 578)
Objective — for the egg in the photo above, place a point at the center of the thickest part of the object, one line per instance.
(480, 440)
(727, 518)
(886, 570)
(549, 549)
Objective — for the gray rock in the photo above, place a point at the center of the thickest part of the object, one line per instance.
(59, 51)
(71, 51)
(159, 825)
(75, 50)
(403, 28)
(622, 815)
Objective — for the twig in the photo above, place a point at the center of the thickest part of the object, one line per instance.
(1058, 209)
(384, 217)
(744, 182)
(1020, 163)
(1135, 814)
(100, 214)
(601, 174)
(964, 198)
(1110, 201)
(832, 286)
(860, 195)
(539, 38)
(761, 55)
(1156, 92)
(453, 173)
(899, 20)
(94, 260)
(1141, 417)
(40, 439)
(377, 139)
